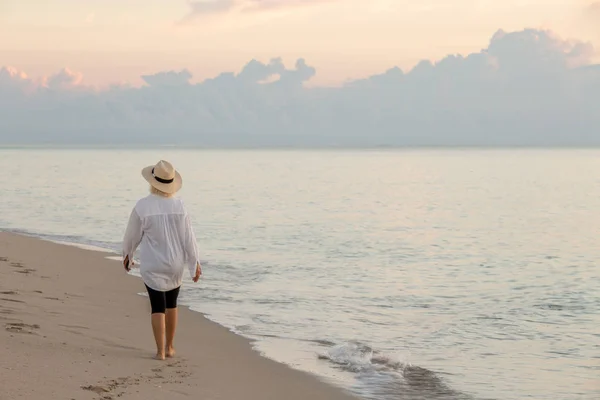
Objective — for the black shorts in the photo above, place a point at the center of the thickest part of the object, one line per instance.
(161, 301)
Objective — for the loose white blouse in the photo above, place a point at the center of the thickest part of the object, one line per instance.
(161, 227)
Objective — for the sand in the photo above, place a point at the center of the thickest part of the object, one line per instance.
(72, 326)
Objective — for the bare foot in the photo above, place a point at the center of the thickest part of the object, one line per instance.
(170, 352)
(159, 356)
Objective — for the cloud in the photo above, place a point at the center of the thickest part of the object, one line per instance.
(170, 78)
(263, 5)
(64, 80)
(532, 49)
(15, 82)
(12, 77)
(298, 76)
(200, 8)
(204, 8)
(255, 71)
(525, 88)
(210, 6)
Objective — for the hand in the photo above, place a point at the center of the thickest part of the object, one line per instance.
(198, 273)
(126, 264)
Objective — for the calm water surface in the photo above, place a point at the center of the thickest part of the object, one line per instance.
(462, 274)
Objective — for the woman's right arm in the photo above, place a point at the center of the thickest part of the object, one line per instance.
(191, 248)
(133, 237)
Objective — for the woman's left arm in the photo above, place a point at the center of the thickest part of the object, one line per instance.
(131, 240)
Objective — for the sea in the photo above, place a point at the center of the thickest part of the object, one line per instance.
(396, 274)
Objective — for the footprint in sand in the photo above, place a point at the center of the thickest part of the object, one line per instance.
(96, 389)
(3, 259)
(74, 326)
(19, 327)
(21, 268)
(74, 295)
(12, 300)
(25, 271)
(108, 389)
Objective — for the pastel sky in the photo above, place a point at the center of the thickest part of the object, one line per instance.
(113, 41)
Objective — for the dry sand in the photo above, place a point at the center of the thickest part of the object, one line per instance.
(72, 326)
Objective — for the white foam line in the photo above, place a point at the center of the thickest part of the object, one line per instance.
(83, 246)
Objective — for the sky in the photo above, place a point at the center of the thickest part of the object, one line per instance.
(300, 73)
(117, 41)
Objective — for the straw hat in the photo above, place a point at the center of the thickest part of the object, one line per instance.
(163, 177)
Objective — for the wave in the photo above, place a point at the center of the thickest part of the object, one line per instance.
(383, 377)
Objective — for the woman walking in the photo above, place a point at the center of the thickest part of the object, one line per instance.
(160, 225)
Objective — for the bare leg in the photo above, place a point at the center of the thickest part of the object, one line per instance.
(171, 322)
(158, 327)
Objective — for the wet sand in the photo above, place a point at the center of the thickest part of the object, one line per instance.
(72, 326)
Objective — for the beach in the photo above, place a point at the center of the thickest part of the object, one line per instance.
(75, 327)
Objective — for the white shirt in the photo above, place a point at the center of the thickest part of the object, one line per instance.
(161, 227)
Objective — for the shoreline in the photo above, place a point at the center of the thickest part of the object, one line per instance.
(287, 355)
(75, 326)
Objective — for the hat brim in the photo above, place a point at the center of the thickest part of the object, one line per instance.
(169, 188)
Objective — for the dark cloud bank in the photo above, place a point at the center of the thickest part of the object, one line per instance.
(526, 88)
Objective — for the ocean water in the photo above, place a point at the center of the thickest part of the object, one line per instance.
(401, 274)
